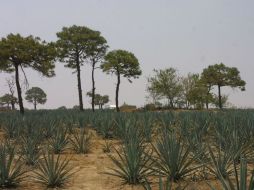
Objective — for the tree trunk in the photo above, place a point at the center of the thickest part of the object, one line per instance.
(93, 85)
(79, 85)
(207, 95)
(35, 104)
(12, 105)
(207, 103)
(21, 107)
(117, 91)
(171, 104)
(219, 92)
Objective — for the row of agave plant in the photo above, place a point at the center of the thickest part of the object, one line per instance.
(184, 146)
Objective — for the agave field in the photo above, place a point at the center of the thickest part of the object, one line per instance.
(143, 150)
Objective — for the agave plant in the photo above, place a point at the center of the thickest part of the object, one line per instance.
(12, 127)
(133, 161)
(220, 160)
(53, 172)
(11, 169)
(60, 140)
(30, 149)
(174, 159)
(81, 141)
(239, 182)
(147, 126)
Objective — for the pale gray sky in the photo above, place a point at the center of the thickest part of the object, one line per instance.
(186, 34)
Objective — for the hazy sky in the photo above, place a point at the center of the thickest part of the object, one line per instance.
(186, 34)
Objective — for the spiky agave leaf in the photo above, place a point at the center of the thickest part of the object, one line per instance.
(30, 149)
(11, 170)
(174, 159)
(133, 161)
(53, 172)
(81, 141)
(60, 140)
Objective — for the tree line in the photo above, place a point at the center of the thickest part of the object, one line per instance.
(75, 46)
(79, 45)
(194, 90)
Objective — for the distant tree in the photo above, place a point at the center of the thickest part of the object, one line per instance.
(224, 101)
(36, 96)
(75, 45)
(167, 84)
(76, 107)
(96, 51)
(8, 100)
(199, 95)
(188, 83)
(11, 86)
(19, 52)
(99, 100)
(153, 95)
(220, 75)
(62, 108)
(121, 63)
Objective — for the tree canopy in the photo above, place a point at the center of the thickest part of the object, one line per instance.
(220, 75)
(167, 84)
(121, 63)
(75, 45)
(96, 51)
(19, 52)
(99, 100)
(8, 99)
(36, 95)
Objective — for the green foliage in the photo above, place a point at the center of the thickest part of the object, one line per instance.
(59, 140)
(133, 161)
(74, 46)
(221, 75)
(81, 141)
(11, 169)
(166, 84)
(99, 100)
(19, 52)
(121, 63)
(239, 182)
(174, 159)
(30, 149)
(27, 52)
(188, 84)
(53, 172)
(224, 101)
(36, 96)
(8, 100)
